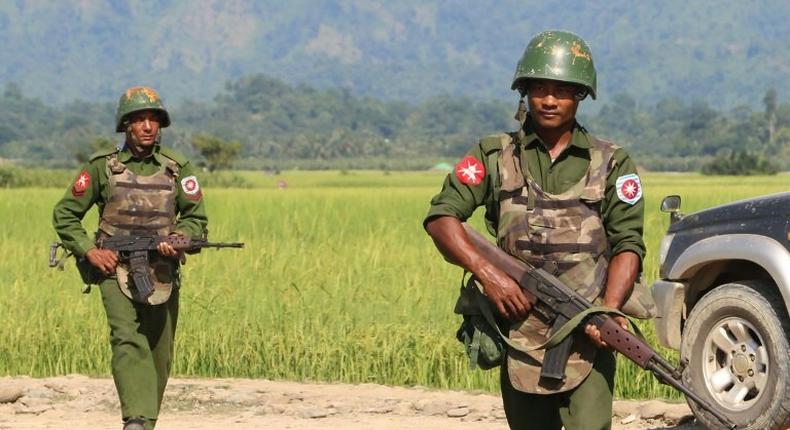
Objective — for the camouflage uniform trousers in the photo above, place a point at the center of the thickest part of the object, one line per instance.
(141, 337)
(586, 407)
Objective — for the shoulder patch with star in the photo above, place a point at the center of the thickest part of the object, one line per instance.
(81, 184)
(629, 188)
(470, 171)
(191, 187)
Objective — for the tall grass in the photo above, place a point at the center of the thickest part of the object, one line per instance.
(337, 282)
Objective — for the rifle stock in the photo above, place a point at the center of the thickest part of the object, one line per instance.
(566, 304)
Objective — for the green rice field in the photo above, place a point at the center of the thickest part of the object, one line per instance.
(337, 282)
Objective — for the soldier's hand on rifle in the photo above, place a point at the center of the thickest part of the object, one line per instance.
(510, 299)
(595, 334)
(103, 259)
(167, 250)
(622, 273)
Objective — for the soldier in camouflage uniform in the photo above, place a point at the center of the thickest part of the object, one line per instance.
(562, 200)
(140, 187)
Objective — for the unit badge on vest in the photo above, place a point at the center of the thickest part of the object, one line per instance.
(629, 188)
(191, 187)
(470, 171)
(81, 184)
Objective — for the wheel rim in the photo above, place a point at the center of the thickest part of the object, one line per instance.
(735, 364)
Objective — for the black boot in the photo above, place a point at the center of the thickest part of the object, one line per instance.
(134, 424)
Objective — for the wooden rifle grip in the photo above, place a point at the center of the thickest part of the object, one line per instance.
(624, 342)
(179, 242)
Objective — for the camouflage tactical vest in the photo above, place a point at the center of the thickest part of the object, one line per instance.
(563, 234)
(142, 204)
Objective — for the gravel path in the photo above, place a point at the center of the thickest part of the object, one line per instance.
(77, 401)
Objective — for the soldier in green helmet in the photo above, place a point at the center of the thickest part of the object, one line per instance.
(140, 187)
(562, 200)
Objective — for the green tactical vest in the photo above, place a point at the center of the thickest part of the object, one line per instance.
(563, 234)
(139, 203)
(142, 204)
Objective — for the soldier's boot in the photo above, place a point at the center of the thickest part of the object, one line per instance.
(134, 424)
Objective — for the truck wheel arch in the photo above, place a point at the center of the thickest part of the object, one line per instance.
(709, 263)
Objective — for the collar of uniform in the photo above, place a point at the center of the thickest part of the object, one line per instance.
(580, 138)
(124, 155)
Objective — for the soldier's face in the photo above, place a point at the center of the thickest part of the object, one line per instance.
(552, 104)
(143, 128)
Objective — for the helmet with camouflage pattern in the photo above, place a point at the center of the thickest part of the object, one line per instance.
(137, 99)
(559, 56)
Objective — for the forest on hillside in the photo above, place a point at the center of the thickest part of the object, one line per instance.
(723, 52)
(283, 126)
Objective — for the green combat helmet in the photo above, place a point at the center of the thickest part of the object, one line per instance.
(559, 56)
(136, 99)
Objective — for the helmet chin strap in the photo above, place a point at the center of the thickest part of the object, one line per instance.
(521, 117)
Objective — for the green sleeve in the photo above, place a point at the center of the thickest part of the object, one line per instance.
(624, 222)
(69, 211)
(192, 219)
(458, 199)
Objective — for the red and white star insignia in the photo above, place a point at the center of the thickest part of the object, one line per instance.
(470, 171)
(191, 187)
(629, 188)
(81, 184)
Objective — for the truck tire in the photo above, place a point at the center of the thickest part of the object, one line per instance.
(736, 348)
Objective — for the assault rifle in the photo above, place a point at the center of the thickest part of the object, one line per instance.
(562, 304)
(133, 249)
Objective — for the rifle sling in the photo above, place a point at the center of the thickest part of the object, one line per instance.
(557, 336)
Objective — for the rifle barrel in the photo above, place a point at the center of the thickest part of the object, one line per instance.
(667, 378)
(222, 245)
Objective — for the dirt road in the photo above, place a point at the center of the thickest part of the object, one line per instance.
(245, 404)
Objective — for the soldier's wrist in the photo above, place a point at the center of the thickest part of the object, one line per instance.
(80, 253)
(612, 303)
(484, 270)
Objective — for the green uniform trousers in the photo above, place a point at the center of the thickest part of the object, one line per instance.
(141, 337)
(586, 407)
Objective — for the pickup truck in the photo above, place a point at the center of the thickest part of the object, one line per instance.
(723, 300)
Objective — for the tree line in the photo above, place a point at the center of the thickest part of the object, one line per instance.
(267, 124)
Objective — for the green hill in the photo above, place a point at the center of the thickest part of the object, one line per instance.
(281, 126)
(723, 52)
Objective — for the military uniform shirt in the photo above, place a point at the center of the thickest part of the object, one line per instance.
(70, 210)
(623, 221)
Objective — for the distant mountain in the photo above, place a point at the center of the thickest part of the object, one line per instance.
(724, 52)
